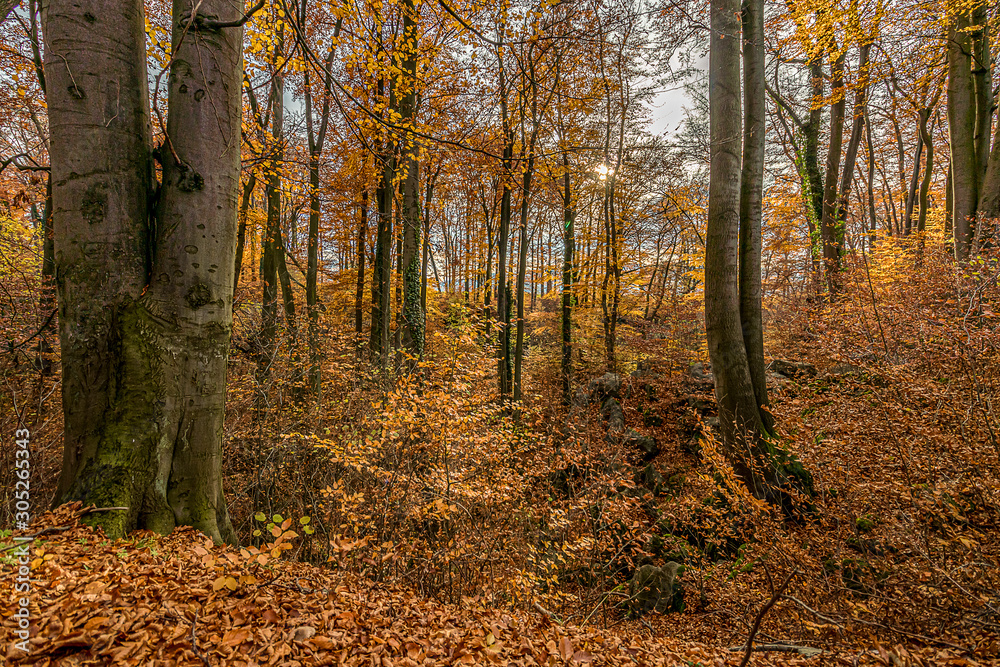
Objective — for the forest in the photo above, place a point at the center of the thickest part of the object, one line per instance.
(527, 332)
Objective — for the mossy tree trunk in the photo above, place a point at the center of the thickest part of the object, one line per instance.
(145, 309)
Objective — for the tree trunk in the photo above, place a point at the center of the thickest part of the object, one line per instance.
(359, 315)
(911, 191)
(504, 369)
(569, 247)
(853, 144)
(744, 438)
(925, 183)
(832, 237)
(145, 334)
(241, 233)
(412, 329)
(751, 201)
(962, 132)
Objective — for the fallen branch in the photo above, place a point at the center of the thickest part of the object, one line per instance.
(194, 642)
(806, 651)
(775, 596)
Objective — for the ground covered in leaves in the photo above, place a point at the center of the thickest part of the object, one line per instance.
(158, 600)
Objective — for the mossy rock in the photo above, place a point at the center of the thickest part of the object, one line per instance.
(656, 589)
(865, 523)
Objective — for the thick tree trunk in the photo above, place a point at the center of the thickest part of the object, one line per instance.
(962, 131)
(751, 201)
(102, 180)
(744, 438)
(145, 334)
(196, 237)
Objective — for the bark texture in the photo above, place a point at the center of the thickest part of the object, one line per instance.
(145, 309)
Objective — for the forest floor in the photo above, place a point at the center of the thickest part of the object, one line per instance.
(158, 600)
(435, 530)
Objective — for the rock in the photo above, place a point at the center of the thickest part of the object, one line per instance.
(650, 418)
(692, 445)
(656, 589)
(792, 368)
(644, 444)
(777, 379)
(612, 411)
(701, 372)
(700, 404)
(581, 398)
(650, 478)
(609, 384)
(846, 369)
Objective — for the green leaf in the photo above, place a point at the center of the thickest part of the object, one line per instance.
(260, 516)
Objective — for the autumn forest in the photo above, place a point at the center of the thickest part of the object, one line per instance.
(555, 332)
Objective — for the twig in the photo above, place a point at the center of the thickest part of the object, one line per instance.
(194, 641)
(775, 596)
(813, 611)
(25, 539)
(547, 613)
(807, 651)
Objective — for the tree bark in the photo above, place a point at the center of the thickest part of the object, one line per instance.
(751, 201)
(831, 233)
(144, 334)
(962, 131)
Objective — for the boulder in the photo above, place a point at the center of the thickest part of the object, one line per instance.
(701, 372)
(643, 444)
(792, 369)
(609, 384)
(612, 411)
(650, 478)
(656, 589)
(846, 369)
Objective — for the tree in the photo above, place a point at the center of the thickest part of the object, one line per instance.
(145, 270)
(750, 445)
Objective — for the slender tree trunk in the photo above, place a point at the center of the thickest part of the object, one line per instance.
(412, 324)
(810, 132)
(359, 308)
(241, 232)
(911, 191)
(504, 368)
(853, 144)
(831, 237)
(751, 201)
(271, 249)
(925, 183)
(569, 247)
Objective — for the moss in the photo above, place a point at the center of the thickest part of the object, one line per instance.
(865, 523)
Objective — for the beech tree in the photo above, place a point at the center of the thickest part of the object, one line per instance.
(144, 267)
(748, 440)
